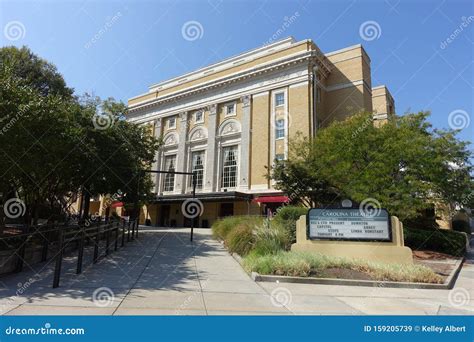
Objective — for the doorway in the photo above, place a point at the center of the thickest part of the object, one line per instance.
(226, 209)
(164, 216)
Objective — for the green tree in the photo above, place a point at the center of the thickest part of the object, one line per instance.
(115, 152)
(405, 164)
(52, 144)
(35, 71)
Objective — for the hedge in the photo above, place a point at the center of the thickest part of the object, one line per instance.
(438, 240)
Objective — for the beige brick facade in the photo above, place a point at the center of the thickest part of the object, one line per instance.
(249, 107)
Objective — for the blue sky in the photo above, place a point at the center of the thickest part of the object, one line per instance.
(119, 48)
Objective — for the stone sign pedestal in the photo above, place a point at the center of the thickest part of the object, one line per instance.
(393, 251)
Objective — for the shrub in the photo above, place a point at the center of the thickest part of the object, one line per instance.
(287, 216)
(240, 239)
(222, 227)
(438, 240)
(306, 264)
(270, 237)
(461, 226)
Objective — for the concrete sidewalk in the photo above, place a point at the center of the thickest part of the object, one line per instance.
(163, 273)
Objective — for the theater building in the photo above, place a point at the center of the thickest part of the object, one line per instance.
(228, 121)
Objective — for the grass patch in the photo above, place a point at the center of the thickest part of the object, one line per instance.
(240, 239)
(243, 234)
(222, 227)
(270, 238)
(304, 264)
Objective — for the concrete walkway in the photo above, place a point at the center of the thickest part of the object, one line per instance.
(162, 273)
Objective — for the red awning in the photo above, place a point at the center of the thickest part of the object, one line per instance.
(272, 199)
(117, 204)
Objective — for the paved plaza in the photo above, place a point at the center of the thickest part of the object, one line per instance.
(163, 273)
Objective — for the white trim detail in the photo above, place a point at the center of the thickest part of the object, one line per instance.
(299, 84)
(229, 127)
(198, 133)
(171, 139)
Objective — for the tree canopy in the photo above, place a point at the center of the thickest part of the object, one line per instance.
(53, 144)
(405, 165)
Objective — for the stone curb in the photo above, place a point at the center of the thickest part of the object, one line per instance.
(448, 284)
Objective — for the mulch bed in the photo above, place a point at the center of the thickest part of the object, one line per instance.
(440, 263)
(430, 255)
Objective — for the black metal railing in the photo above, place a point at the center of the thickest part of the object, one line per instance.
(59, 238)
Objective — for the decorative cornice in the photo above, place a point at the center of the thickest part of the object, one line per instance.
(307, 56)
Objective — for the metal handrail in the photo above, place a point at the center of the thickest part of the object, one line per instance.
(69, 234)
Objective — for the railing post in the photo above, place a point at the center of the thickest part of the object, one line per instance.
(96, 244)
(133, 230)
(123, 233)
(80, 253)
(21, 255)
(136, 232)
(128, 231)
(59, 259)
(117, 225)
(107, 239)
(44, 251)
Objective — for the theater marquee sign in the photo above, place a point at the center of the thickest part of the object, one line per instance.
(349, 224)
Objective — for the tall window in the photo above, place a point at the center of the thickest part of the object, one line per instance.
(229, 167)
(279, 128)
(170, 165)
(279, 99)
(197, 168)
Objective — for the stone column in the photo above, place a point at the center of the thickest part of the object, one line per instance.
(210, 167)
(181, 157)
(157, 164)
(245, 143)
